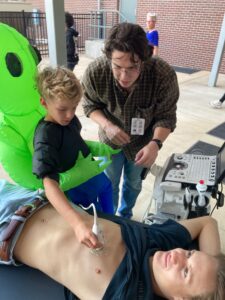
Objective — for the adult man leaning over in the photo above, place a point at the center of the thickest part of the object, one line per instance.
(132, 97)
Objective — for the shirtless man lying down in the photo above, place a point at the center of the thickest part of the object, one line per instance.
(137, 261)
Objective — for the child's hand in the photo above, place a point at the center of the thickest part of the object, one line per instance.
(84, 234)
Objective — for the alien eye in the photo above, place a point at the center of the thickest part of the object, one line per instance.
(13, 64)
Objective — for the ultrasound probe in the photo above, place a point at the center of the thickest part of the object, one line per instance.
(95, 228)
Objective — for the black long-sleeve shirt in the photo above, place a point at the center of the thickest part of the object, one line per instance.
(56, 148)
(71, 33)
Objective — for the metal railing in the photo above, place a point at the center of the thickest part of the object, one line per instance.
(101, 21)
(32, 25)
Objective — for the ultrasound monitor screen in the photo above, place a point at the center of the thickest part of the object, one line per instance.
(221, 164)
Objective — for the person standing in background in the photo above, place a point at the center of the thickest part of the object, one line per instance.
(152, 34)
(132, 97)
(71, 34)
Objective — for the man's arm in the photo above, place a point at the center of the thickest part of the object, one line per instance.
(164, 116)
(148, 154)
(156, 50)
(161, 133)
(204, 229)
(93, 106)
(113, 132)
(167, 97)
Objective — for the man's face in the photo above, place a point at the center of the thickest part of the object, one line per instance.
(181, 274)
(60, 111)
(124, 70)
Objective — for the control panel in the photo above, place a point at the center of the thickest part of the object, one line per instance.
(190, 168)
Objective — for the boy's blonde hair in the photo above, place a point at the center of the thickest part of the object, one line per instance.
(58, 83)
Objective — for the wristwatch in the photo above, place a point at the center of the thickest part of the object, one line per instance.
(158, 142)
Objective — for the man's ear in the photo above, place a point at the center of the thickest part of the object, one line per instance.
(43, 102)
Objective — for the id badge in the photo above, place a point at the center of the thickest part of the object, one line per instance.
(137, 126)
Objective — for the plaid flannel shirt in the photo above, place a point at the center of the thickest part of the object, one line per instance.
(153, 97)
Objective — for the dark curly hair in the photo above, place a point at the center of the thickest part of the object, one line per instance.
(128, 37)
(69, 20)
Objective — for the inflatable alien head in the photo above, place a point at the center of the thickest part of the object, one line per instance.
(18, 63)
(20, 108)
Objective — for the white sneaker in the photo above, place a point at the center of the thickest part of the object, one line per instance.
(215, 104)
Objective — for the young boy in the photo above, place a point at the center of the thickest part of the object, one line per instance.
(57, 143)
(71, 34)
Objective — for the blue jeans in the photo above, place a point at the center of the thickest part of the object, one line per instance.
(97, 190)
(131, 185)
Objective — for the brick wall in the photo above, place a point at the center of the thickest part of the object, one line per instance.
(110, 4)
(188, 29)
(38, 4)
(80, 6)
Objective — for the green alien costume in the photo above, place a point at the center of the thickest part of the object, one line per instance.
(20, 111)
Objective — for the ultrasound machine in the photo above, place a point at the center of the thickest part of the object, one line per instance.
(184, 186)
